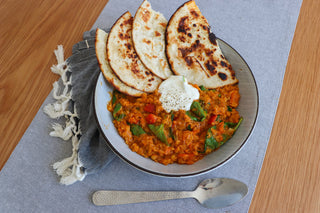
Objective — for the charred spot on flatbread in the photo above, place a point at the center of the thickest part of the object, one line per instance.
(157, 33)
(212, 38)
(183, 27)
(109, 75)
(211, 66)
(222, 76)
(145, 15)
(194, 13)
(124, 60)
(193, 51)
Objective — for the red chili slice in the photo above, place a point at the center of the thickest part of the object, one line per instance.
(150, 108)
(212, 119)
(151, 119)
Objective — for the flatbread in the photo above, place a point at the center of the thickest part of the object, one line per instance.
(192, 50)
(148, 35)
(101, 53)
(123, 59)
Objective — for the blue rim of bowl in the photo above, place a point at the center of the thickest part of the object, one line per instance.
(181, 175)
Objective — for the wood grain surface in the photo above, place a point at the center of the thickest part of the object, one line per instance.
(29, 32)
(289, 180)
(290, 177)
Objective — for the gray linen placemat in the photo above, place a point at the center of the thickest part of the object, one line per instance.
(261, 31)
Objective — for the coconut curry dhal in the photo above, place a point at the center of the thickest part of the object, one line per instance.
(182, 137)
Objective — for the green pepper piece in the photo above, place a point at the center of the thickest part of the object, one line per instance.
(229, 108)
(114, 98)
(203, 88)
(171, 133)
(230, 124)
(136, 130)
(191, 116)
(227, 137)
(197, 109)
(189, 127)
(235, 126)
(210, 141)
(238, 124)
(170, 129)
(118, 118)
(116, 109)
(172, 116)
(159, 132)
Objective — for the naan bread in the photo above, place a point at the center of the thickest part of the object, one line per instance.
(148, 35)
(123, 59)
(101, 53)
(193, 51)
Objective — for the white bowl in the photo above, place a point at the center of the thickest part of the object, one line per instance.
(248, 109)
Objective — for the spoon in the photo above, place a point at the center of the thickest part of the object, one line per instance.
(211, 193)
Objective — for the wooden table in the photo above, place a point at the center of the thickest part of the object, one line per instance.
(290, 177)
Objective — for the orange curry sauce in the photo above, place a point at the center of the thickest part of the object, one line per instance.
(177, 137)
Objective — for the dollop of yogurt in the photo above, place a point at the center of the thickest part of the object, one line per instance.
(177, 94)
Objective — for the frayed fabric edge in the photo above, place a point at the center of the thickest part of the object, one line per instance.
(69, 169)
